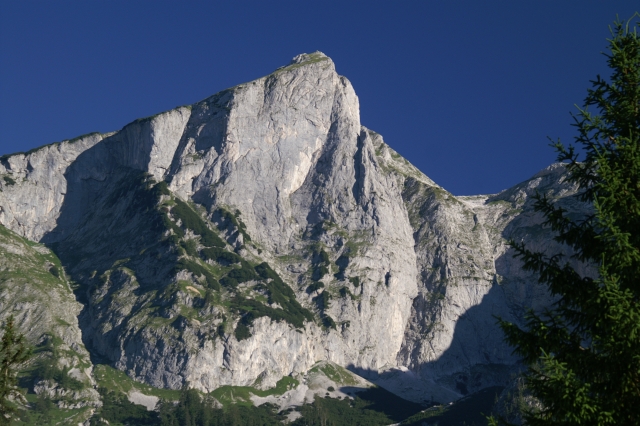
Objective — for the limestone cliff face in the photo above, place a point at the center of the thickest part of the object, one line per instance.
(165, 223)
(34, 186)
(468, 275)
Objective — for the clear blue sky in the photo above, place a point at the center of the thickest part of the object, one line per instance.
(468, 91)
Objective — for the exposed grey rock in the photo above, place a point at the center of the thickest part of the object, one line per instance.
(469, 276)
(339, 383)
(31, 206)
(149, 401)
(413, 275)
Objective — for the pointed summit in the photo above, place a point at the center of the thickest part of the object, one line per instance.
(316, 56)
(305, 59)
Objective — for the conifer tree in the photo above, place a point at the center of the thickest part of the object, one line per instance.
(13, 353)
(584, 352)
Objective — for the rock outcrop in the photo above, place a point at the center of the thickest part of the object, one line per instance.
(248, 236)
(35, 290)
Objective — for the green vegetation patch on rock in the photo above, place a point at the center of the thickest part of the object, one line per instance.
(232, 222)
(48, 369)
(315, 286)
(192, 220)
(118, 410)
(239, 275)
(278, 292)
(374, 406)
(219, 255)
(117, 381)
(241, 395)
(198, 270)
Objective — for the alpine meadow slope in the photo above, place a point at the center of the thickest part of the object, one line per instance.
(244, 238)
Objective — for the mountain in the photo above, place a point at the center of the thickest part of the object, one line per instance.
(249, 236)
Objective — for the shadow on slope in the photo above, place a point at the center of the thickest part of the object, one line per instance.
(470, 377)
(372, 406)
(109, 220)
(477, 358)
(469, 411)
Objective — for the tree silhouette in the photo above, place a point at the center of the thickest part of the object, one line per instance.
(13, 354)
(584, 352)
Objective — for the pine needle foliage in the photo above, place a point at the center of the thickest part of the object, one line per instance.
(584, 352)
(14, 352)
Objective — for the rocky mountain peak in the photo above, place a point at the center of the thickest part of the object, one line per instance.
(245, 237)
(316, 56)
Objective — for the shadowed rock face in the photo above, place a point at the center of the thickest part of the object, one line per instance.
(404, 279)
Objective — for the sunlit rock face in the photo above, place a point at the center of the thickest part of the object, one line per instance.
(400, 279)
